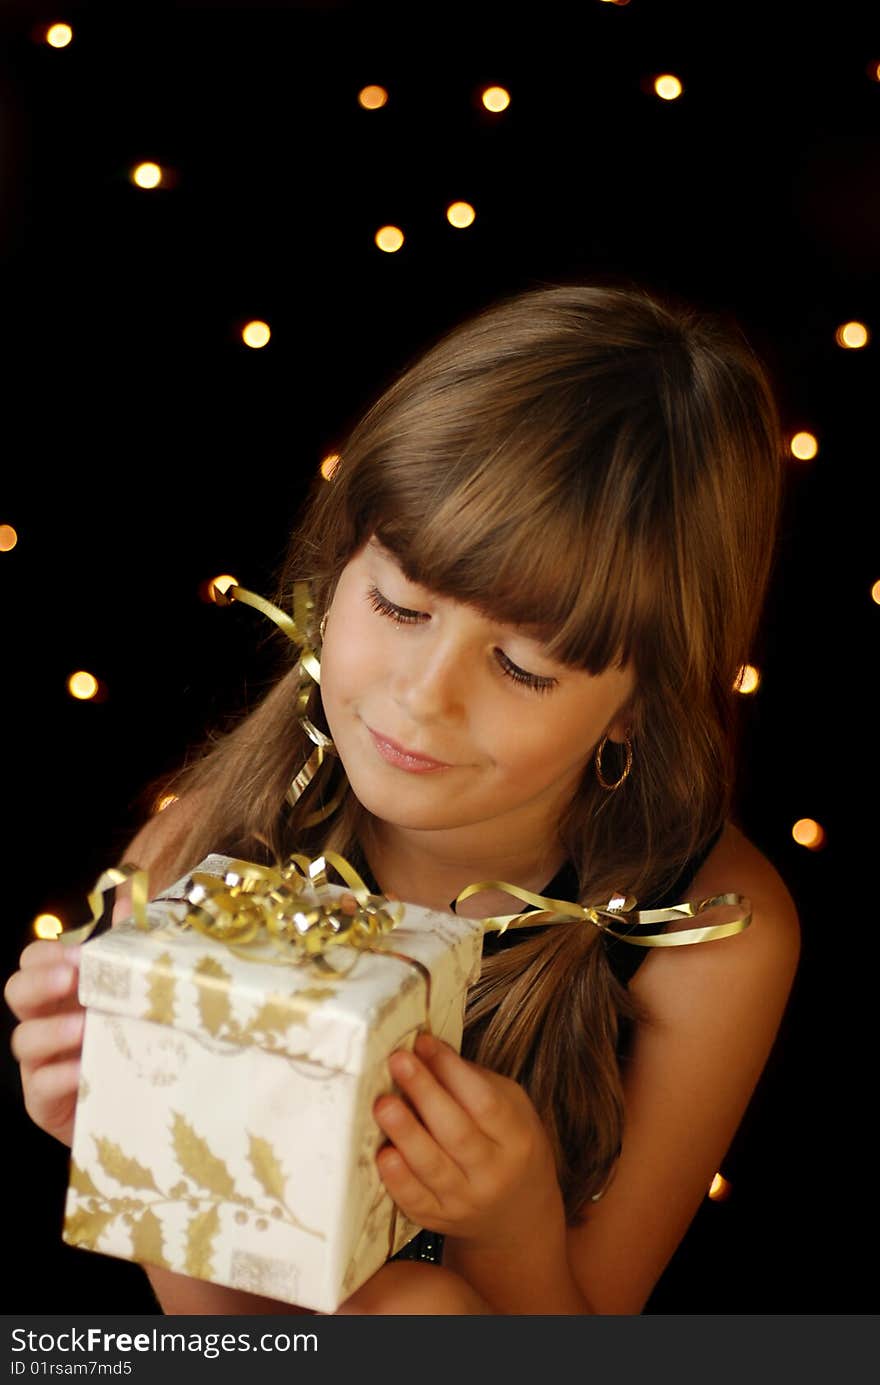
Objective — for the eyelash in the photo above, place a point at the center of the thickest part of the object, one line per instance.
(402, 616)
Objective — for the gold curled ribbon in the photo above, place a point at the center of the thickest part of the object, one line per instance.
(549, 910)
(300, 630)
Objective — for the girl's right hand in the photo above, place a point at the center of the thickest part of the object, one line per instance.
(48, 1042)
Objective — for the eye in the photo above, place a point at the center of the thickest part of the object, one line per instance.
(519, 675)
(387, 608)
(402, 616)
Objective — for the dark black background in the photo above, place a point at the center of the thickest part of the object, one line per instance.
(146, 449)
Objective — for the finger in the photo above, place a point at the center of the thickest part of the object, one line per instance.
(436, 1136)
(474, 1091)
(44, 952)
(42, 1041)
(51, 1091)
(412, 1197)
(41, 990)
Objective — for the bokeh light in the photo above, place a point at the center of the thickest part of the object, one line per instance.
(59, 35)
(496, 99)
(8, 538)
(372, 98)
(748, 680)
(460, 214)
(719, 1189)
(852, 336)
(47, 926)
(146, 175)
(329, 465)
(804, 446)
(668, 87)
(389, 238)
(875, 592)
(164, 801)
(256, 334)
(83, 686)
(807, 832)
(214, 588)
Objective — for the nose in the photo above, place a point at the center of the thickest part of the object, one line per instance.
(430, 681)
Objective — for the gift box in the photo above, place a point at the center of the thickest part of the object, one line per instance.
(224, 1125)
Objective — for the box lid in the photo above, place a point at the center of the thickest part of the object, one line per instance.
(177, 976)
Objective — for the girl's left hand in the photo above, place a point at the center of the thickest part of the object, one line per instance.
(472, 1159)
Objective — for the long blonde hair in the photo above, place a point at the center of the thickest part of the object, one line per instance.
(604, 461)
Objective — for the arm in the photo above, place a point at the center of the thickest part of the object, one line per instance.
(715, 1012)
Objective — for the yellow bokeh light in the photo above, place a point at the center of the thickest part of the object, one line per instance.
(719, 1189)
(804, 446)
(460, 214)
(59, 35)
(82, 685)
(807, 832)
(496, 98)
(875, 592)
(389, 238)
(852, 335)
(372, 98)
(256, 334)
(329, 465)
(164, 801)
(215, 589)
(47, 926)
(668, 87)
(147, 175)
(748, 680)
(8, 538)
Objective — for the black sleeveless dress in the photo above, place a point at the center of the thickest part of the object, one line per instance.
(623, 958)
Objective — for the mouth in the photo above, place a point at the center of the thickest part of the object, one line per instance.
(404, 758)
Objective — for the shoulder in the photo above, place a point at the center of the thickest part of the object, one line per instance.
(766, 952)
(711, 1014)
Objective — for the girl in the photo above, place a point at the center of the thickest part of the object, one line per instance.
(537, 571)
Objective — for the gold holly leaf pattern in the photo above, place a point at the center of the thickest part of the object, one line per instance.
(197, 1161)
(119, 1166)
(266, 1166)
(84, 1226)
(213, 981)
(318, 993)
(81, 1181)
(200, 1233)
(277, 1014)
(160, 990)
(146, 1240)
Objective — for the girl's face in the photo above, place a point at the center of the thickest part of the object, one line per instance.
(512, 729)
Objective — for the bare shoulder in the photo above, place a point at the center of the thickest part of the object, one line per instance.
(770, 945)
(712, 1012)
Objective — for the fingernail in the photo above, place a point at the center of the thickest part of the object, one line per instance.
(73, 1025)
(403, 1064)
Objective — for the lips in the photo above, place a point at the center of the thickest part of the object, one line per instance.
(400, 753)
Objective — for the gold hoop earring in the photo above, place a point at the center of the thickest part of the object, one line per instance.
(629, 761)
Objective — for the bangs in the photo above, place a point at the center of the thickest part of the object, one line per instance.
(549, 548)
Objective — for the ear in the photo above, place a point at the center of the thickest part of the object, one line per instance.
(620, 729)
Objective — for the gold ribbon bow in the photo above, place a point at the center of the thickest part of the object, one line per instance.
(300, 630)
(549, 910)
(252, 903)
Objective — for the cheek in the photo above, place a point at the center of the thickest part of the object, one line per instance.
(349, 665)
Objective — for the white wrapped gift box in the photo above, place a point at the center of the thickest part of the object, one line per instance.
(224, 1125)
